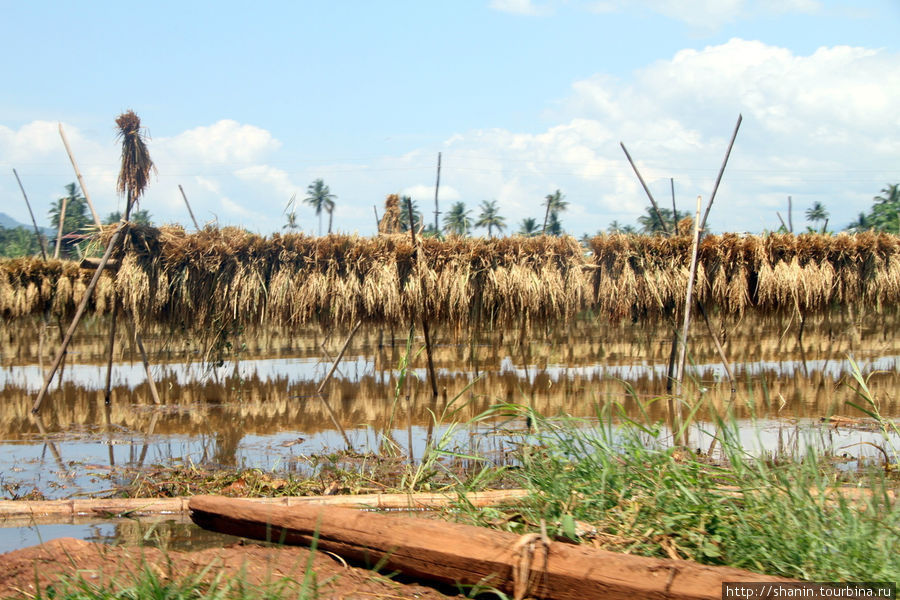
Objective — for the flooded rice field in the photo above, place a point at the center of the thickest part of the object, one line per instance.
(252, 402)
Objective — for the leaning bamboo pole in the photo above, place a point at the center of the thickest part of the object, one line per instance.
(59, 509)
(84, 191)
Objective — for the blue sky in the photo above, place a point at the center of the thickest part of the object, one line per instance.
(246, 104)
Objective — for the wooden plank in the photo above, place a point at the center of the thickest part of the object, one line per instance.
(457, 554)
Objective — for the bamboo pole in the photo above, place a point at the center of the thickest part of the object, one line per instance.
(59, 229)
(188, 204)
(662, 221)
(80, 178)
(688, 300)
(431, 376)
(37, 231)
(78, 314)
(437, 186)
(712, 196)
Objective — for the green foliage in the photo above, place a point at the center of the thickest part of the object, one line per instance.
(140, 217)
(885, 212)
(321, 199)
(554, 204)
(18, 241)
(490, 217)
(75, 224)
(529, 228)
(405, 201)
(650, 223)
(457, 220)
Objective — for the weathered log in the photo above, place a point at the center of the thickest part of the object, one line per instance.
(457, 554)
(55, 509)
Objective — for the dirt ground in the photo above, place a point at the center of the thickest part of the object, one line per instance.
(22, 570)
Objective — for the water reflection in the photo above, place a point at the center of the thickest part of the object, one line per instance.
(262, 394)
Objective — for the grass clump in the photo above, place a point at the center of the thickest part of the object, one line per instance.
(621, 488)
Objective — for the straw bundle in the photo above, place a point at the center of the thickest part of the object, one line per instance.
(217, 279)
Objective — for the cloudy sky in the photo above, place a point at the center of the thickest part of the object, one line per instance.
(247, 104)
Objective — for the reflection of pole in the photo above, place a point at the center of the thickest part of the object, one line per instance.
(412, 231)
(129, 323)
(37, 231)
(50, 443)
(78, 314)
(84, 191)
(331, 371)
(112, 345)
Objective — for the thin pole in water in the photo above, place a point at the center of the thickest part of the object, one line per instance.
(37, 232)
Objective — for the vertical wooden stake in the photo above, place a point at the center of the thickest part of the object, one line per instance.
(59, 229)
(84, 191)
(412, 231)
(790, 216)
(437, 185)
(188, 204)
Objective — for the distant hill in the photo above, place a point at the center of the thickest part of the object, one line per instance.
(7, 222)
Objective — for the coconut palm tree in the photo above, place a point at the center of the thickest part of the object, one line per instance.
(490, 217)
(76, 219)
(817, 212)
(529, 227)
(650, 223)
(405, 201)
(457, 220)
(555, 205)
(320, 198)
(141, 217)
(616, 227)
(886, 210)
(290, 211)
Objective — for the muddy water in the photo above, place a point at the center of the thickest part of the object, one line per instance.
(253, 402)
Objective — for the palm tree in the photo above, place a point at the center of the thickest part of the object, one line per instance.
(141, 217)
(862, 223)
(490, 217)
(555, 205)
(75, 220)
(405, 201)
(529, 227)
(457, 220)
(290, 211)
(650, 223)
(817, 212)
(616, 227)
(886, 210)
(320, 198)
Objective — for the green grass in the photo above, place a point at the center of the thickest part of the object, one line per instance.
(148, 585)
(618, 486)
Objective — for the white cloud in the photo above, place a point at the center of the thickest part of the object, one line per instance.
(818, 127)
(224, 142)
(707, 14)
(520, 7)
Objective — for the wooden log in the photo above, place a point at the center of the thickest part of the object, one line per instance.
(144, 506)
(457, 554)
